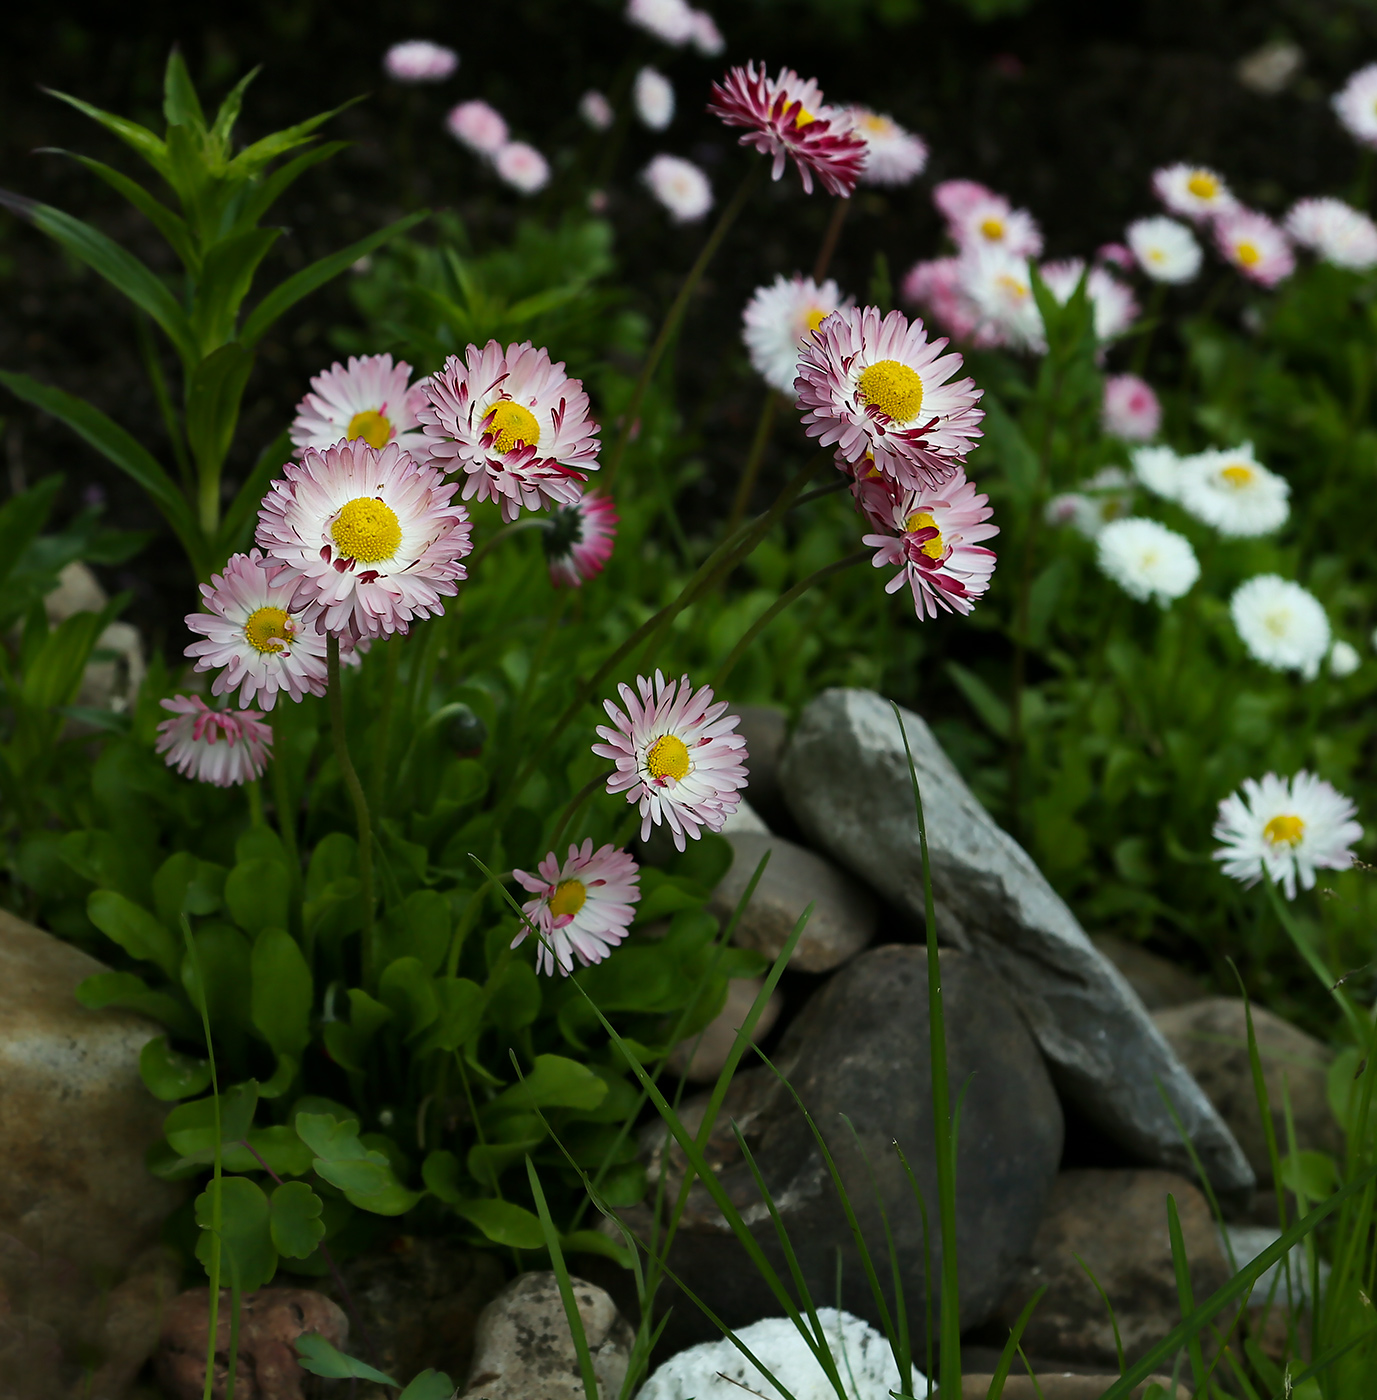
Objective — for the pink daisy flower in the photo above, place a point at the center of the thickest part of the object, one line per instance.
(223, 747)
(1111, 302)
(1256, 246)
(786, 116)
(579, 540)
(676, 756)
(478, 126)
(582, 908)
(250, 631)
(370, 399)
(938, 287)
(880, 388)
(1193, 191)
(990, 221)
(419, 61)
(515, 423)
(521, 166)
(370, 537)
(1130, 410)
(956, 198)
(931, 536)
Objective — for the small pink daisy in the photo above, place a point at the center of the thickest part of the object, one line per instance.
(1193, 191)
(990, 221)
(1337, 232)
(938, 287)
(1256, 246)
(786, 116)
(250, 631)
(579, 540)
(419, 61)
(515, 423)
(930, 536)
(880, 388)
(223, 747)
(478, 126)
(370, 537)
(676, 756)
(956, 198)
(1130, 410)
(370, 398)
(581, 908)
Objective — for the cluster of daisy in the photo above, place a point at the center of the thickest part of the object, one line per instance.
(362, 534)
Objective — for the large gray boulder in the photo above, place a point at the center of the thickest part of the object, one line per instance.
(846, 780)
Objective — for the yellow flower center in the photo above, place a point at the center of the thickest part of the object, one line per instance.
(816, 317)
(367, 530)
(922, 520)
(1012, 286)
(872, 121)
(372, 427)
(1203, 185)
(805, 117)
(512, 425)
(1156, 255)
(1284, 831)
(993, 229)
(894, 388)
(668, 757)
(269, 629)
(569, 897)
(1237, 475)
(1248, 254)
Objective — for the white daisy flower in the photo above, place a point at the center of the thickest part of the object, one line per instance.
(680, 186)
(369, 537)
(778, 318)
(893, 156)
(1290, 829)
(1165, 249)
(986, 221)
(653, 96)
(222, 747)
(1282, 624)
(1344, 659)
(582, 907)
(1193, 191)
(419, 61)
(1147, 560)
(1337, 232)
(522, 167)
(1355, 104)
(670, 21)
(596, 110)
(1000, 289)
(480, 127)
(1111, 302)
(707, 37)
(1255, 245)
(370, 399)
(1232, 491)
(676, 756)
(516, 424)
(1104, 497)
(250, 631)
(1159, 469)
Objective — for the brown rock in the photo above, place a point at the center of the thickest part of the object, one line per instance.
(1065, 1386)
(701, 1058)
(130, 1323)
(1158, 982)
(270, 1321)
(75, 1118)
(844, 911)
(1116, 1222)
(524, 1349)
(1211, 1039)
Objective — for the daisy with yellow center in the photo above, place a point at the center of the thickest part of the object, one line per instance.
(1232, 491)
(778, 319)
(1256, 246)
(893, 156)
(1355, 105)
(253, 638)
(364, 540)
(1193, 191)
(370, 400)
(582, 906)
(515, 424)
(980, 218)
(676, 756)
(1287, 828)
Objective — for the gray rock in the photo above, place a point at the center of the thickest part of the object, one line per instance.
(1116, 1222)
(846, 780)
(524, 1350)
(1158, 982)
(765, 729)
(844, 913)
(860, 1048)
(701, 1058)
(744, 818)
(1211, 1038)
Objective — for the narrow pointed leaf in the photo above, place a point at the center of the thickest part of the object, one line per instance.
(181, 105)
(226, 275)
(259, 198)
(228, 114)
(212, 406)
(150, 146)
(253, 158)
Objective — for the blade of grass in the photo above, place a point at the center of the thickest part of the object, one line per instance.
(1013, 1346)
(1182, 1266)
(566, 1288)
(1109, 1308)
(927, 1258)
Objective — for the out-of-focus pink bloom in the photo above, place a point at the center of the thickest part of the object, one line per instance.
(522, 167)
(1256, 246)
(596, 110)
(1119, 255)
(478, 126)
(1337, 232)
(1130, 410)
(707, 37)
(680, 186)
(419, 61)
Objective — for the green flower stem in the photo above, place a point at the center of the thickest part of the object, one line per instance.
(254, 793)
(381, 743)
(361, 816)
(286, 825)
(208, 503)
(756, 456)
(531, 522)
(577, 801)
(1150, 323)
(830, 239)
(631, 412)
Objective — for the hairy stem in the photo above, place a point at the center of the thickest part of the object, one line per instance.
(831, 237)
(754, 458)
(352, 785)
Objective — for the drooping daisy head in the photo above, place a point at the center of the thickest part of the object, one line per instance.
(1165, 249)
(1159, 469)
(1112, 305)
(1103, 498)
(653, 97)
(368, 538)
(786, 117)
(1289, 828)
(779, 317)
(893, 156)
(579, 540)
(1337, 232)
(670, 21)
(1193, 191)
(222, 747)
(582, 906)
(1255, 245)
(1282, 624)
(596, 110)
(252, 634)
(680, 186)
(1000, 287)
(517, 425)
(1231, 490)
(369, 400)
(1147, 560)
(480, 127)
(991, 222)
(1129, 410)
(880, 390)
(676, 756)
(1355, 104)
(521, 166)
(419, 61)
(932, 537)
